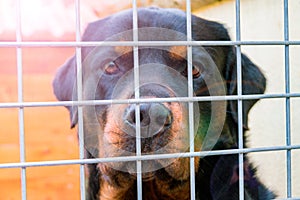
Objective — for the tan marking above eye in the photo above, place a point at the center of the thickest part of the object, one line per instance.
(121, 50)
(178, 52)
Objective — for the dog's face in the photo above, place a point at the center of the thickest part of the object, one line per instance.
(110, 72)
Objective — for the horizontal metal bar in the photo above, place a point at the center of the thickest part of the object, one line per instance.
(146, 100)
(140, 43)
(293, 198)
(147, 157)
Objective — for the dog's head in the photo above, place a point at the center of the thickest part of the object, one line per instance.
(110, 72)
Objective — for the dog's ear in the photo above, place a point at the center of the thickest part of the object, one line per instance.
(64, 86)
(253, 82)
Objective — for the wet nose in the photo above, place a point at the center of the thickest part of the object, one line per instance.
(154, 118)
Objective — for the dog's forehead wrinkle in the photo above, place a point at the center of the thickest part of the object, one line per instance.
(154, 57)
(147, 56)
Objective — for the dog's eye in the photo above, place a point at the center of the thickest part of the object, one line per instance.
(111, 68)
(196, 72)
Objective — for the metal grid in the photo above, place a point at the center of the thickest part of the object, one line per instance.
(19, 44)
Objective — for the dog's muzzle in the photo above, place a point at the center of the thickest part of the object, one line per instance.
(154, 118)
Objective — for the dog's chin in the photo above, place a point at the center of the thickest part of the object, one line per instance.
(179, 169)
(175, 169)
(146, 177)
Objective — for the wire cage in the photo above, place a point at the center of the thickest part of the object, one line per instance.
(20, 104)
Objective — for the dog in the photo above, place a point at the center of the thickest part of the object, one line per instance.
(109, 72)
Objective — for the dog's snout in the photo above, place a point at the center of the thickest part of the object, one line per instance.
(144, 114)
(154, 118)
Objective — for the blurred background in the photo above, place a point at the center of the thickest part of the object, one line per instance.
(47, 132)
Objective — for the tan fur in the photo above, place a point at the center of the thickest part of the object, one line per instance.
(121, 50)
(108, 192)
(177, 52)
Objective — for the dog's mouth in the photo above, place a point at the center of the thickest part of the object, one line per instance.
(163, 130)
(147, 176)
(148, 145)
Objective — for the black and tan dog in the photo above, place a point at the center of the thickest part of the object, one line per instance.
(110, 129)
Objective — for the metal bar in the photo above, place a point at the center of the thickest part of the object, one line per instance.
(20, 100)
(287, 101)
(240, 101)
(145, 100)
(80, 97)
(190, 94)
(137, 96)
(142, 43)
(296, 198)
(148, 157)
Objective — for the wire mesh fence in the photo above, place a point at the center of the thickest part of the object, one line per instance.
(138, 158)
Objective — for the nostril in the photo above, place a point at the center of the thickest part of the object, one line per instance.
(168, 120)
(162, 115)
(144, 114)
(130, 115)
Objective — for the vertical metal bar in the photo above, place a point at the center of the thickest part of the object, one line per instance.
(190, 94)
(137, 96)
(287, 101)
(20, 100)
(80, 97)
(240, 102)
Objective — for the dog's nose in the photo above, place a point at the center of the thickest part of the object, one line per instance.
(154, 118)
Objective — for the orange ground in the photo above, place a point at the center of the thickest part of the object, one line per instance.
(47, 132)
